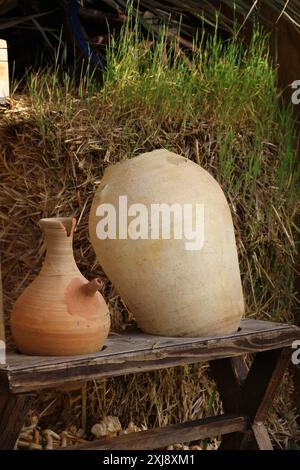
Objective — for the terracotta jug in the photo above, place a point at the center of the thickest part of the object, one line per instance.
(171, 289)
(60, 312)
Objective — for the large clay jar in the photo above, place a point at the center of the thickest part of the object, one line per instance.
(60, 312)
(171, 290)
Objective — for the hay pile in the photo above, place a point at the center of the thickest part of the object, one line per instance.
(221, 110)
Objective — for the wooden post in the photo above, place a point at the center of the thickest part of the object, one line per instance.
(4, 74)
(230, 375)
(13, 411)
(250, 394)
(13, 408)
(2, 327)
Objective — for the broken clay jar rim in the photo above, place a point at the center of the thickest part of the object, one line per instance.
(67, 224)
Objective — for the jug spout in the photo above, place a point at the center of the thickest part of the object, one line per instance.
(92, 286)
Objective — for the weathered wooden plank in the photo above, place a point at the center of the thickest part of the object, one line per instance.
(262, 382)
(262, 436)
(55, 375)
(161, 437)
(2, 327)
(258, 393)
(250, 393)
(134, 341)
(13, 410)
(131, 353)
(229, 375)
(227, 384)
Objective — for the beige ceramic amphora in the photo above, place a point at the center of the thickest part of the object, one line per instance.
(60, 312)
(171, 287)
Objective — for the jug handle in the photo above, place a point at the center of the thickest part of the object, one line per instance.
(92, 286)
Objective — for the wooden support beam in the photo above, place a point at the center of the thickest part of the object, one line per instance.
(246, 396)
(134, 351)
(262, 436)
(263, 379)
(230, 375)
(2, 325)
(13, 411)
(161, 437)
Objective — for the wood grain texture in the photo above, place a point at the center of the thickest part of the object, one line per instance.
(134, 351)
(161, 437)
(251, 394)
(229, 375)
(2, 329)
(262, 382)
(262, 436)
(13, 410)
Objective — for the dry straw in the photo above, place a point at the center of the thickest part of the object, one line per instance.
(219, 108)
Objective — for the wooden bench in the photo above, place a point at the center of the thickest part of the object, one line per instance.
(246, 395)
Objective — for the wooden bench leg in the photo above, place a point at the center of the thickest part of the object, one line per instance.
(250, 394)
(13, 411)
(229, 375)
(261, 436)
(258, 393)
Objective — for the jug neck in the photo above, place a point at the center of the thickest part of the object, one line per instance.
(58, 233)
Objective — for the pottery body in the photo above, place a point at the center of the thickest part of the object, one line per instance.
(171, 290)
(60, 312)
